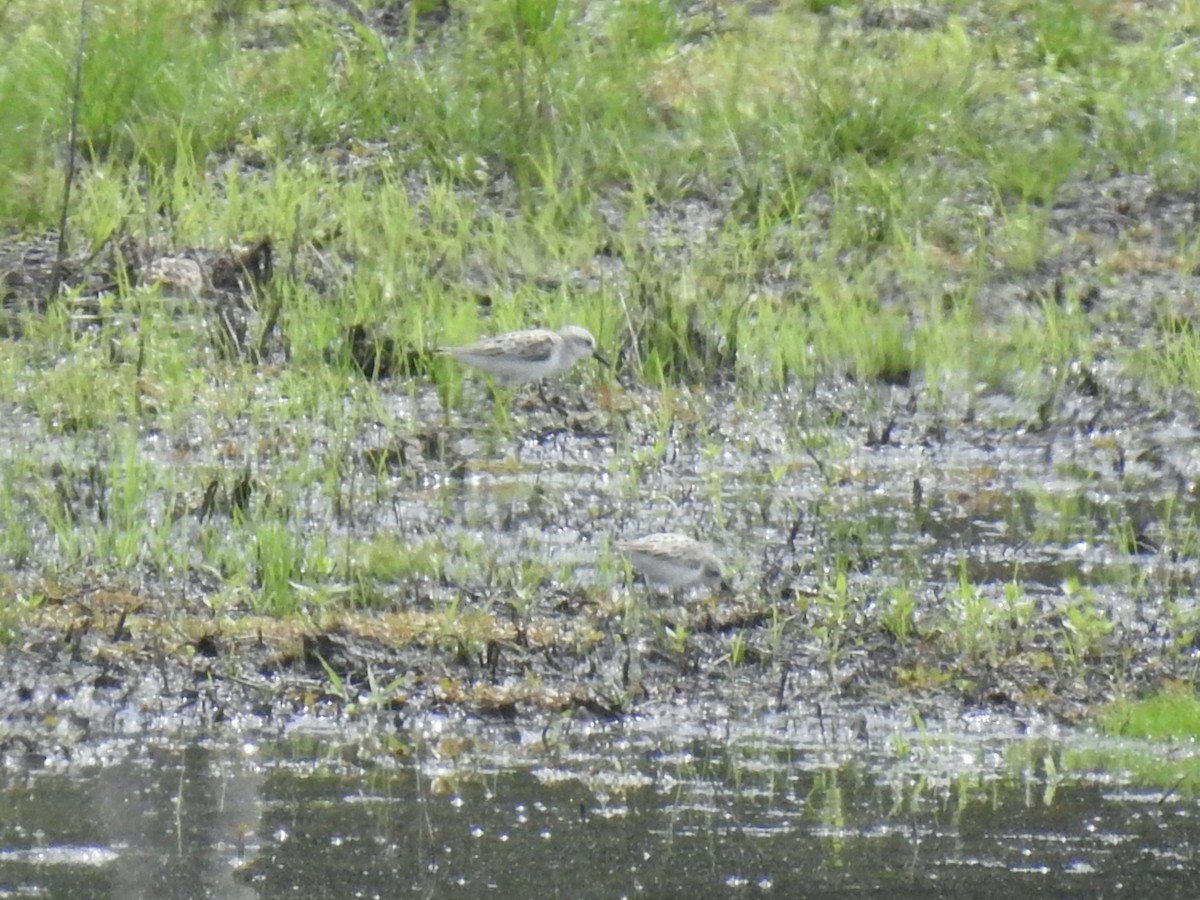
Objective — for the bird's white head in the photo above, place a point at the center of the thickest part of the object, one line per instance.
(577, 341)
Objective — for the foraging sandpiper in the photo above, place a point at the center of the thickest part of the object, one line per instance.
(673, 560)
(531, 355)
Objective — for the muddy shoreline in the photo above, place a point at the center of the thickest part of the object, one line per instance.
(817, 554)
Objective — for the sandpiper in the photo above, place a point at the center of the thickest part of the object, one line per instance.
(531, 355)
(673, 560)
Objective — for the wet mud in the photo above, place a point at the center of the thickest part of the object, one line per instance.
(1023, 547)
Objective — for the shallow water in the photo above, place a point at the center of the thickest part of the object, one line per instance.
(719, 779)
(727, 774)
(801, 804)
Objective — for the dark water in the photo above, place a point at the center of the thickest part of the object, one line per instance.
(648, 809)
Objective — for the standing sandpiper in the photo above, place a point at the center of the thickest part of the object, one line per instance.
(673, 560)
(521, 356)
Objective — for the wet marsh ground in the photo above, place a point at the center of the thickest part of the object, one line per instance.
(902, 306)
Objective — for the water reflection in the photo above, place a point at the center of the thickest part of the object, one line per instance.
(163, 822)
(662, 817)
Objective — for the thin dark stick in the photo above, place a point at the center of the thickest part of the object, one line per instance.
(276, 293)
(72, 132)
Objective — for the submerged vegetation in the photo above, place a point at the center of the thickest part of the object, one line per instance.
(900, 301)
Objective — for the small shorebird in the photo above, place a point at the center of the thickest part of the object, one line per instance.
(673, 560)
(521, 356)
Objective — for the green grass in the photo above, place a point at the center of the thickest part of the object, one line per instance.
(1172, 714)
(758, 205)
(932, 155)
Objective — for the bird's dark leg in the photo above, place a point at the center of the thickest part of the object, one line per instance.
(555, 403)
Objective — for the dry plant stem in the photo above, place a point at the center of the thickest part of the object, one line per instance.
(69, 176)
(276, 295)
